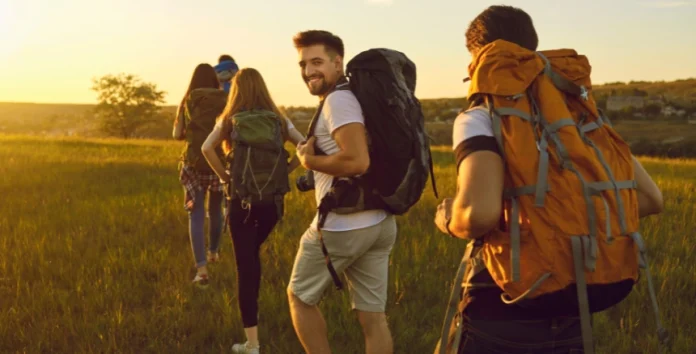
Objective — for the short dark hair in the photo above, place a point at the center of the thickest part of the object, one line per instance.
(331, 42)
(501, 22)
(225, 57)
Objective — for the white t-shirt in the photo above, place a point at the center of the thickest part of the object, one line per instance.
(340, 108)
(290, 125)
(474, 122)
(472, 131)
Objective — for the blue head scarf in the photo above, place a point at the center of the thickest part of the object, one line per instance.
(225, 71)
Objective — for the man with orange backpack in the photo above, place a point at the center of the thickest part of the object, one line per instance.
(548, 195)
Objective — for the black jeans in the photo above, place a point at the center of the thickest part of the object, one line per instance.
(561, 335)
(249, 229)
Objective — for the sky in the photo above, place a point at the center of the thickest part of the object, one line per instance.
(50, 50)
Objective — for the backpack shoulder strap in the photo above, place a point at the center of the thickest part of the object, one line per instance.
(191, 121)
(315, 119)
(187, 111)
(341, 85)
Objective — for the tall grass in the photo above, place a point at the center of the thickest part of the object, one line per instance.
(95, 257)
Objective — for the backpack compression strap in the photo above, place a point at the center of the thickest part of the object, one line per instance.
(595, 189)
(324, 208)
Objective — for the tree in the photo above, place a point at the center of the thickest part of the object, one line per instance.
(126, 104)
(601, 101)
(640, 93)
(627, 112)
(652, 110)
(614, 116)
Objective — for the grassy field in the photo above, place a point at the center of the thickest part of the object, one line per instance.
(96, 258)
(71, 120)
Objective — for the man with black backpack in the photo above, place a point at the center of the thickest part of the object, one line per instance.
(369, 157)
(359, 243)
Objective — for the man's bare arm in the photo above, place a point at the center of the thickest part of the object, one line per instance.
(649, 195)
(477, 206)
(352, 158)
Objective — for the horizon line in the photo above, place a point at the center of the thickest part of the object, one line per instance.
(419, 98)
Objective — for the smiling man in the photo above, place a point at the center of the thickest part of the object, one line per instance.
(359, 243)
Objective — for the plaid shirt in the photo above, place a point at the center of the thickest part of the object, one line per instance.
(193, 180)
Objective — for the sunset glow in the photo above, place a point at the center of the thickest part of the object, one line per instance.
(50, 50)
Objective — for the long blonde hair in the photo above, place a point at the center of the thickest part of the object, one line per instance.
(248, 91)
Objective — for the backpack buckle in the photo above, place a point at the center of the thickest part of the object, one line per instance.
(584, 93)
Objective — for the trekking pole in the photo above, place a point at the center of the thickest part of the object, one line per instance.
(452, 307)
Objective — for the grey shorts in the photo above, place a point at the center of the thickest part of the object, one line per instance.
(362, 255)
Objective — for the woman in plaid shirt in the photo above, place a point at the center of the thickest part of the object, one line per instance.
(202, 104)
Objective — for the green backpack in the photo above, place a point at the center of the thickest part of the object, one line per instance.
(258, 162)
(202, 108)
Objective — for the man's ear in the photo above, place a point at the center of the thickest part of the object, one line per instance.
(338, 62)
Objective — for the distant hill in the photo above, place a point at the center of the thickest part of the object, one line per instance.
(681, 93)
(78, 119)
(66, 119)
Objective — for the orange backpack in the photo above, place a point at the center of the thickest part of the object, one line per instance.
(570, 200)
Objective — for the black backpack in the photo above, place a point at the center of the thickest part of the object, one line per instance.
(384, 82)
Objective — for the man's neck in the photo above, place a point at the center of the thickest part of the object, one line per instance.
(341, 80)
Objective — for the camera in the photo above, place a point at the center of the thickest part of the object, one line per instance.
(305, 182)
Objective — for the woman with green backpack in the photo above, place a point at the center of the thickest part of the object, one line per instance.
(202, 104)
(253, 132)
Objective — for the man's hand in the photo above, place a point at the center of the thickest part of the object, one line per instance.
(305, 150)
(443, 215)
